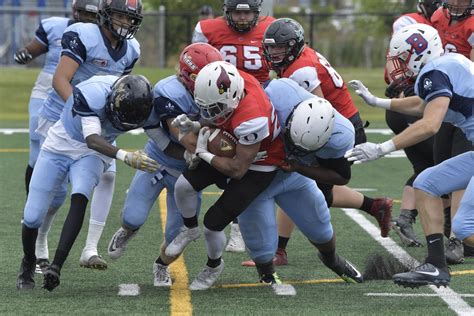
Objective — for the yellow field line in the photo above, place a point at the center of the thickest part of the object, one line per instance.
(14, 150)
(180, 296)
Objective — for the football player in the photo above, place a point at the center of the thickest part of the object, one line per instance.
(455, 25)
(172, 97)
(286, 52)
(234, 101)
(441, 88)
(92, 49)
(79, 146)
(48, 41)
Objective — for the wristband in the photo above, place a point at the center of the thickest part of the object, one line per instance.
(207, 157)
(383, 103)
(387, 147)
(120, 155)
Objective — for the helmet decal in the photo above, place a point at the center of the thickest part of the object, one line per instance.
(418, 42)
(132, 4)
(223, 81)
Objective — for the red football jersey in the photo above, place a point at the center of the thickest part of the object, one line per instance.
(311, 70)
(243, 50)
(255, 120)
(457, 38)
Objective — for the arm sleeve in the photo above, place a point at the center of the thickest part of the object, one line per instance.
(90, 125)
(434, 84)
(198, 36)
(130, 67)
(307, 78)
(166, 108)
(81, 106)
(252, 131)
(73, 47)
(41, 35)
(340, 165)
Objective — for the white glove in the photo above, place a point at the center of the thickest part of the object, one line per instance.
(201, 145)
(138, 160)
(185, 125)
(192, 160)
(369, 151)
(368, 97)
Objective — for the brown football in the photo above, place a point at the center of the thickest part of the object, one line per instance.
(222, 143)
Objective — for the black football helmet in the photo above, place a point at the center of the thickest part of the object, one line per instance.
(286, 33)
(130, 102)
(242, 5)
(428, 7)
(130, 8)
(459, 11)
(85, 10)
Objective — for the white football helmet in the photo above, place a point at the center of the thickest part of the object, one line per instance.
(412, 47)
(218, 90)
(310, 125)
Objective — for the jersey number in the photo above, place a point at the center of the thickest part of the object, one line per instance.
(252, 58)
(336, 78)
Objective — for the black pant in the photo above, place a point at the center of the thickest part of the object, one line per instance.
(449, 142)
(237, 195)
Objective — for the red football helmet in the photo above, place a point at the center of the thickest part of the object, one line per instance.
(192, 59)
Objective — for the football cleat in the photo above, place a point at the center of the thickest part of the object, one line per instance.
(51, 277)
(93, 262)
(344, 269)
(403, 226)
(26, 276)
(207, 277)
(281, 258)
(184, 238)
(161, 275)
(468, 251)
(119, 241)
(454, 251)
(425, 274)
(236, 243)
(278, 287)
(382, 211)
(41, 265)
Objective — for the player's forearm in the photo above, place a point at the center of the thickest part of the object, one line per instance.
(415, 133)
(322, 175)
(62, 86)
(410, 105)
(99, 144)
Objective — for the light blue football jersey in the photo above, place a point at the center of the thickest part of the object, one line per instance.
(285, 94)
(170, 99)
(89, 99)
(87, 45)
(451, 75)
(49, 33)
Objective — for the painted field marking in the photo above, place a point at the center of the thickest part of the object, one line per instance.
(450, 297)
(412, 294)
(129, 290)
(180, 295)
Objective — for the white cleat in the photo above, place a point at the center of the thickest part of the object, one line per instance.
(184, 238)
(280, 288)
(119, 241)
(207, 277)
(161, 275)
(236, 243)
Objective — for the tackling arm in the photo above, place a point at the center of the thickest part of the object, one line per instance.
(65, 70)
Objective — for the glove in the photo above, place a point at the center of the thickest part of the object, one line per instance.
(22, 56)
(398, 86)
(139, 160)
(368, 97)
(201, 145)
(185, 125)
(369, 151)
(192, 160)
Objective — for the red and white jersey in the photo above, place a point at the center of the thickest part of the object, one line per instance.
(409, 19)
(311, 70)
(457, 38)
(243, 50)
(255, 120)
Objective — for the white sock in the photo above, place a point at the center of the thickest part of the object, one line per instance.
(215, 243)
(102, 197)
(93, 237)
(186, 197)
(41, 250)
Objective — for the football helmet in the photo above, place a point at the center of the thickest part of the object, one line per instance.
(129, 103)
(459, 9)
(285, 33)
(242, 5)
(85, 10)
(130, 8)
(309, 126)
(192, 59)
(427, 7)
(217, 91)
(411, 48)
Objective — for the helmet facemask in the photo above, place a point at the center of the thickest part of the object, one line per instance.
(242, 26)
(459, 11)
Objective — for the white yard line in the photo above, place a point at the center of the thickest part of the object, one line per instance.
(450, 297)
(412, 295)
(129, 290)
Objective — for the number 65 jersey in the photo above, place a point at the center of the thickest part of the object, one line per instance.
(311, 70)
(243, 50)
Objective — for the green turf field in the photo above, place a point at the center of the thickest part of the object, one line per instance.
(318, 290)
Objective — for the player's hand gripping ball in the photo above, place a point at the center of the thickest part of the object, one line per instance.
(222, 143)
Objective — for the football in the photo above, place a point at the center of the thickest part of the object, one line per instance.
(221, 143)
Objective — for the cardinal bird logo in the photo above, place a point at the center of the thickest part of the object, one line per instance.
(223, 81)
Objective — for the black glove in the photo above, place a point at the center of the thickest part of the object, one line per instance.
(398, 86)
(23, 56)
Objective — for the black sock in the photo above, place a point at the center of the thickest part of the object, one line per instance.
(265, 271)
(413, 213)
(72, 227)
(28, 173)
(159, 261)
(190, 222)
(28, 238)
(212, 263)
(435, 243)
(282, 242)
(447, 222)
(367, 204)
(328, 257)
